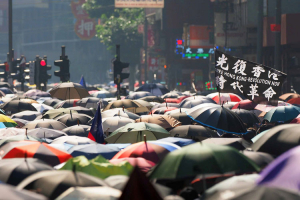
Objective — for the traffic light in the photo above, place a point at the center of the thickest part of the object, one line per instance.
(15, 63)
(64, 65)
(118, 68)
(26, 72)
(5, 68)
(44, 76)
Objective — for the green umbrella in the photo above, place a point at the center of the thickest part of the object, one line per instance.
(282, 113)
(200, 158)
(98, 167)
(51, 114)
(19, 138)
(134, 132)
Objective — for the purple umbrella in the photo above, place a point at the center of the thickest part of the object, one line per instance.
(283, 172)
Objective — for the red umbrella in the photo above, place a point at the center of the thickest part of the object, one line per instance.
(224, 97)
(143, 164)
(245, 104)
(178, 100)
(295, 121)
(151, 151)
(33, 149)
(294, 101)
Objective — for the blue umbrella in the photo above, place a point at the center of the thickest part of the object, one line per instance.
(91, 151)
(178, 141)
(282, 113)
(119, 145)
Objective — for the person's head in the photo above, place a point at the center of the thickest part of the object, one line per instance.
(189, 193)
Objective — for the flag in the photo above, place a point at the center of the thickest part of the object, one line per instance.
(82, 82)
(96, 132)
(256, 82)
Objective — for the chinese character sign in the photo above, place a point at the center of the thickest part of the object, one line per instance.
(256, 82)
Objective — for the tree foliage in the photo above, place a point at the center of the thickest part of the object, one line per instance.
(118, 26)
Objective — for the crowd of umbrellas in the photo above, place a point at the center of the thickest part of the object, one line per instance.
(158, 145)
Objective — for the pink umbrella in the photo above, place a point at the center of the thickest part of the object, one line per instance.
(224, 97)
(143, 164)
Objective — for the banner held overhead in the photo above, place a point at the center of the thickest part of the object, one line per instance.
(139, 4)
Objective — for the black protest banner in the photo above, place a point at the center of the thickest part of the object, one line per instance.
(254, 81)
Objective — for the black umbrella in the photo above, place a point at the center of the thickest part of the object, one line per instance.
(16, 106)
(248, 117)
(27, 115)
(73, 119)
(156, 89)
(278, 140)
(186, 103)
(78, 130)
(217, 117)
(260, 158)
(138, 95)
(172, 94)
(51, 102)
(14, 170)
(45, 123)
(181, 116)
(238, 143)
(53, 183)
(152, 99)
(83, 110)
(47, 133)
(10, 192)
(91, 102)
(6, 90)
(4, 84)
(195, 132)
(119, 112)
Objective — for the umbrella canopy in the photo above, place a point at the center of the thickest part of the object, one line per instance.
(199, 158)
(245, 104)
(254, 193)
(42, 107)
(6, 90)
(165, 105)
(217, 117)
(69, 91)
(51, 114)
(47, 133)
(278, 139)
(111, 124)
(128, 104)
(152, 99)
(15, 170)
(45, 123)
(73, 119)
(66, 103)
(18, 138)
(16, 106)
(144, 103)
(36, 93)
(178, 141)
(91, 102)
(237, 143)
(162, 110)
(102, 94)
(283, 172)
(186, 103)
(294, 101)
(153, 151)
(6, 122)
(51, 102)
(98, 167)
(4, 84)
(288, 96)
(91, 151)
(53, 183)
(8, 132)
(143, 164)
(172, 95)
(28, 101)
(119, 112)
(102, 192)
(134, 132)
(165, 121)
(20, 122)
(74, 140)
(224, 97)
(32, 149)
(78, 130)
(27, 115)
(10, 192)
(248, 117)
(259, 158)
(195, 132)
(138, 95)
(83, 110)
(282, 113)
(180, 115)
(156, 89)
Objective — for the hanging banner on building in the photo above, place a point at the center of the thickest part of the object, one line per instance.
(139, 3)
(201, 37)
(256, 82)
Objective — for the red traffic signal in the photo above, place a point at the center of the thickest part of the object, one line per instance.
(43, 63)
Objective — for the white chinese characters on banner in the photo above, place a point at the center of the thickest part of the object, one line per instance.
(236, 85)
(239, 67)
(220, 81)
(257, 71)
(253, 91)
(269, 93)
(222, 61)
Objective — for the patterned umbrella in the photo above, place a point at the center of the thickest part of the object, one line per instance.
(6, 122)
(224, 97)
(32, 149)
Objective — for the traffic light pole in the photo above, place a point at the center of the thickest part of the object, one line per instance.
(118, 58)
(10, 50)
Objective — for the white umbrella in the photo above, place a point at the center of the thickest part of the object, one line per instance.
(41, 107)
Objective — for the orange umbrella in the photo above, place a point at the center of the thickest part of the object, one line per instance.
(32, 149)
(289, 96)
